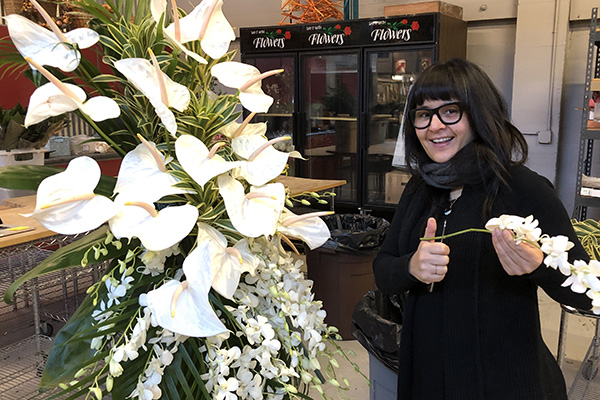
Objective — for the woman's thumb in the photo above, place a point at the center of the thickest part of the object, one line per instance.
(431, 228)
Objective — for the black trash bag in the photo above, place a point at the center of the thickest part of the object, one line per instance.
(377, 323)
(355, 232)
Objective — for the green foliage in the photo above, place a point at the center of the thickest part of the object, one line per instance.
(588, 232)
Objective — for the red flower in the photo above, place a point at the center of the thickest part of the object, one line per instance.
(415, 26)
(404, 21)
(278, 30)
(338, 26)
(347, 31)
(288, 35)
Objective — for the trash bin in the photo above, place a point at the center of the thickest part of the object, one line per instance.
(376, 324)
(342, 269)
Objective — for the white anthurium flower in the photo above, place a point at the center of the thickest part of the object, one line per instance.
(143, 171)
(45, 47)
(183, 307)
(201, 164)
(556, 249)
(256, 213)
(56, 98)
(66, 202)
(247, 79)
(263, 163)
(308, 227)
(228, 262)
(158, 8)
(161, 90)
(235, 129)
(157, 230)
(206, 23)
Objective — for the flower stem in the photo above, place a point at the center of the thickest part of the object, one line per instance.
(455, 234)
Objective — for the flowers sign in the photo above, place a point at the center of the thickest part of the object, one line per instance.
(199, 298)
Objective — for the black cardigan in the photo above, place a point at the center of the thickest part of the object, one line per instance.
(477, 335)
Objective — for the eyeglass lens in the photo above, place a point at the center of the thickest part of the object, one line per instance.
(448, 113)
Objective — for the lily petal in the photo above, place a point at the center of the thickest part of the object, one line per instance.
(192, 154)
(194, 315)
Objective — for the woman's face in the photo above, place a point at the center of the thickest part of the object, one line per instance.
(440, 141)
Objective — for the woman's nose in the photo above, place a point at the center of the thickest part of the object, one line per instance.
(436, 123)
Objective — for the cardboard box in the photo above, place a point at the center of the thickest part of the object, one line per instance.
(395, 182)
(426, 7)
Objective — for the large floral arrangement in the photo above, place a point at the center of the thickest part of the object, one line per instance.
(200, 299)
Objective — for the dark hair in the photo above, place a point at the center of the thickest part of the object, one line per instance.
(497, 142)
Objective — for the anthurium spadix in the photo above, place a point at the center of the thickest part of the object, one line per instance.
(206, 23)
(200, 163)
(235, 129)
(262, 162)
(256, 213)
(183, 307)
(66, 203)
(143, 171)
(309, 228)
(162, 92)
(157, 230)
(56, 98)
(228, 262)
(247, 79)
(45, 47)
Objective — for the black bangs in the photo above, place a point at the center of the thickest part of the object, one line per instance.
(439, 83)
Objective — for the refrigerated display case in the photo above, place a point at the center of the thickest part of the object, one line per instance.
(342, 94)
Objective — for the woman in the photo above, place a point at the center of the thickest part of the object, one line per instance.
(471, 325)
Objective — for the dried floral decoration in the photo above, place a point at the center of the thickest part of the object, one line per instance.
(307, 11)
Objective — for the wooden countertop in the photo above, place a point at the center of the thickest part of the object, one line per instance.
(11, 211)
(305, 185)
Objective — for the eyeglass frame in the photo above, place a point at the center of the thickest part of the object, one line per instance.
(436, 111)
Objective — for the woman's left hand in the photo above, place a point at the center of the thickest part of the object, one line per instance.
(516, 259)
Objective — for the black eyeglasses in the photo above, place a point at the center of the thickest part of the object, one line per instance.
(449, 114)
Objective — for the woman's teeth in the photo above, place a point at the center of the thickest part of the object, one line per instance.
(442, 140)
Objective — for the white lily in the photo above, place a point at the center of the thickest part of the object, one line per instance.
(262, 162)
(157, 230)
(183, 307)
(206, 23)
(228, 262)
(143, 171)
(161, 90)
(307, 227)
(247, 79)
(200, 163)
(56, 98)
(256, 213)
(66, 202)
(45, 47)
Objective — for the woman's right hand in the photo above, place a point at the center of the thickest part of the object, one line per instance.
(430, 261)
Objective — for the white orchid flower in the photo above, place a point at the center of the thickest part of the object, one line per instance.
(504, 222)
(56, 98)
(556, 249)
(576, 280)
(206, 23)
(183, 307)
(161, 90)
(247, 79)
(228, 262)
(45, 47)
(307, 227)
(256, 213)
(66, 202)
(201, 164)
(143, 171)
(595, 296)
(262, 162)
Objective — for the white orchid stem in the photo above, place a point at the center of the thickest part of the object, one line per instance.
(243, 126)
(148, 207)
(206, 19)
(155, 154)
(55, 81)
(213, 150)
(182, 286)
(259, 195)
(176, 23)
(271, 142)
(259, 78)
(298, 218)
(61, 36)
(160, 78)
(66, 200)
(289, 242)
(236, 253)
